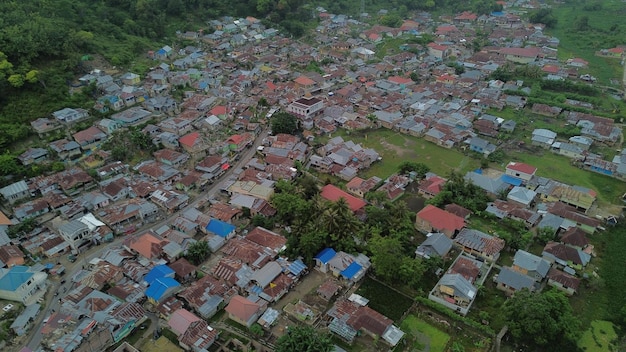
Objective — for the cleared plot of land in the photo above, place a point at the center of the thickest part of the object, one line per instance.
(599, 338)
(395, 147)
(428, 337)
(161, 344)
(383, 299)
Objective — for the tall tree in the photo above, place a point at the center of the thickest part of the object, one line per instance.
(198, 252)
(542, 320)
(304, 339)
(284, 122)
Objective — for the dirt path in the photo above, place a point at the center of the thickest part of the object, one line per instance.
(310, 283)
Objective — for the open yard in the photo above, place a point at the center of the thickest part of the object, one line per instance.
(427, 337)
(395, 148)
(383, 299)
(160, 344)
(600, 337)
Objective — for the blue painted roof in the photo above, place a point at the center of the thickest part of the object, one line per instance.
(157, 272)
(479, 171)
(514, 181)
(326, 255)
(297, 267)
(161, 285)
(351, 270)
(15, 277)
(220, 228)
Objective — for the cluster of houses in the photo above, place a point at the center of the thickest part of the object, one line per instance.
(540, 203)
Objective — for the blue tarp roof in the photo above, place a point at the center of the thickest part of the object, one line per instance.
(220, 228)
(296, 267)
(479, 171)
(15, 277)
(49, 266)
(157, 272)
(161, 285)
(514, 181)
(326, 255)
(351, 270)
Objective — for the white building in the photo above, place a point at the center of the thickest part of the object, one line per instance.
(20, 284)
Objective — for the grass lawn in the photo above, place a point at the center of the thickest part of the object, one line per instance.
(600, 337)
(395, 148)
(558, 167)
(601, 35)
(438, 339)
(489, 300)
(383, 299)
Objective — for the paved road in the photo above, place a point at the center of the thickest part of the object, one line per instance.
(52, 301)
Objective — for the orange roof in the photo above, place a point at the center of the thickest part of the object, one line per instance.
(236, 138)
(333, 194)
(304, 81)
(355, 182)
(270, 85)
(219, 110)
(550, 69)
(4, 220)
(189, 139)
(148, 245)
(399, 80)
(242, 308)
(441, 219)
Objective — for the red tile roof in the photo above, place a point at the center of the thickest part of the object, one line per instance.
(304, 80)
(180, 320)
(441, 219)
(333, 194)
(189, 139)
(521, 167)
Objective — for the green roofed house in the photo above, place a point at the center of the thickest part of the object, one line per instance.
(21, 284)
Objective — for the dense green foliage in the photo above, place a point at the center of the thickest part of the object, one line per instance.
(304, 339)
(543, 321)
(462, 192)
(198, 252)
(284, 122)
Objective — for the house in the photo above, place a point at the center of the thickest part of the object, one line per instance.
(69, 115)
(543, 138)
(323, 258)
(433, 219)
(575, 237)
(159, 271)
(522, 195)
(520, 55)
(333, 193)
(33, 156)
(220, 228)
(77, 234)
(563, 281)
(15, 192)
(530, 265)
(25, 320)
(511, 281)
(436, 245)
(199, 336)
(455, 289)
(491, 185)
(180, 321)
(90, 137)
(65, 149)
(520, 170)
(243, 311)
(430, 186)
(160, 289)
(132, 117)
(359, 187)
(171, 157)
(479, 244)
(11, 255)
(306, 108)
(481, 146)
(193, 144)
(148, 245)
(184, 271)
(22, 284)
(44, 126)
(566, 256)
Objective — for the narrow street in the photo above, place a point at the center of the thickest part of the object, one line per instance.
(56, 290)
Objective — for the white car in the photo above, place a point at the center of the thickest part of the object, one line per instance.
(7, 308)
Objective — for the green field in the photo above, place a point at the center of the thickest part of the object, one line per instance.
(605, 31)
(395, 148)
(428, 337)
(600, 337)
(383, 299)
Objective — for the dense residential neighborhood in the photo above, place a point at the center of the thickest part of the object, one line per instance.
(162, 217)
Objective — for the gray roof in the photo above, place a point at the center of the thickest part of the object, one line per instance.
(531, 262)
(522, 195)
(437, 244)
(488, 184)
(479, 241)
(515, 280)
(267, 273)
(72, 227)
(462, 287)
(22, 320)
(14, 188)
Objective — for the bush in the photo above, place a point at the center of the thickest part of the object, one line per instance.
(452, 315)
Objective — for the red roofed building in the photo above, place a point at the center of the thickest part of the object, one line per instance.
(520, 170)
(552, 69)
(438, 51)
(148, 245)
(219, 111)
(267, 239)
(431, 186)
(193, 144)
(243, 311)
(333, 194)
(433, 219)
(400, 80)
(180, 321)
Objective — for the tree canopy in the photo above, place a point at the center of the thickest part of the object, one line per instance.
(542, 320)
(304, 339)
(284, 122)
(198, 252)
